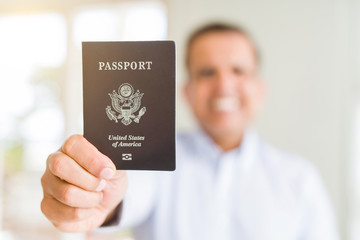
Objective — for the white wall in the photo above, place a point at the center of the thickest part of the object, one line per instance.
(306, 65)
(310, 56)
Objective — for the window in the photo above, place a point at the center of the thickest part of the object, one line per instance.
(41, 96)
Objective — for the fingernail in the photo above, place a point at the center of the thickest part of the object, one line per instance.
(101, 185)
(106, 173)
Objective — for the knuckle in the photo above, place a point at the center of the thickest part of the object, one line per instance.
(69, 144)
(61, 227)
(92, 161)
(67, 195)
(76, 214)
(57, 166)
(43, 181)
(56, 225)
(49, 159)
(43, 207)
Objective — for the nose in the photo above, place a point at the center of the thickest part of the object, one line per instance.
(225, 83)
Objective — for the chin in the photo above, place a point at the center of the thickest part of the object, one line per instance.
(228, 120)
(229, 127)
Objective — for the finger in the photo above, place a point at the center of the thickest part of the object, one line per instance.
(58, 212)
(88, 157)
(118, 183)
(70, 171)
(81, 226)
(69, 194)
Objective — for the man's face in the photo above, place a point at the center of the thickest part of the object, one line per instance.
(223, 90)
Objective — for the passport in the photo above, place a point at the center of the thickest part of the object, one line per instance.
(129, 102)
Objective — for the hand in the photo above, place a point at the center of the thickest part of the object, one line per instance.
(81, 186)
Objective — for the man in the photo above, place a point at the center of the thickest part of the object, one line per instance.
(228, 183)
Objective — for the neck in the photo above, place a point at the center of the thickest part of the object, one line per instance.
(229, 141)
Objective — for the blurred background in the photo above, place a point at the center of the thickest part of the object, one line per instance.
(310, 53)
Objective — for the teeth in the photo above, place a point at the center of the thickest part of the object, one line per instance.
(226, 104)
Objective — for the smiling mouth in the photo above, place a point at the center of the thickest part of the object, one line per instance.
(225, 104)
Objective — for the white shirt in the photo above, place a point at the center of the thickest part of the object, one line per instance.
(254, 192)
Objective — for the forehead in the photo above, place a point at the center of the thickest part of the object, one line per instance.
(221, 47)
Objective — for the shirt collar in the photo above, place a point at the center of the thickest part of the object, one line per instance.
(244, 153)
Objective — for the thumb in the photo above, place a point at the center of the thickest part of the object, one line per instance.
(115, 190)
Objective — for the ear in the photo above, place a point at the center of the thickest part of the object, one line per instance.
(187, 91)
(261, 89)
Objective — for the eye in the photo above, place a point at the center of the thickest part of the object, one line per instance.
(206, 73)
(238, 71)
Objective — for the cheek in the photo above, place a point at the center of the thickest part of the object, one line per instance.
(200, 96)
(252, 96)
(201, 102)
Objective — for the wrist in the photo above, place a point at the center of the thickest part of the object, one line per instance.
(113, 218)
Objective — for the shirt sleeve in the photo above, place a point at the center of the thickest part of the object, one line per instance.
(319, 221)
(138, 203)
(140, 199)
(114, 221)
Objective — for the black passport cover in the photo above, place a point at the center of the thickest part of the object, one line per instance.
(129, 102)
